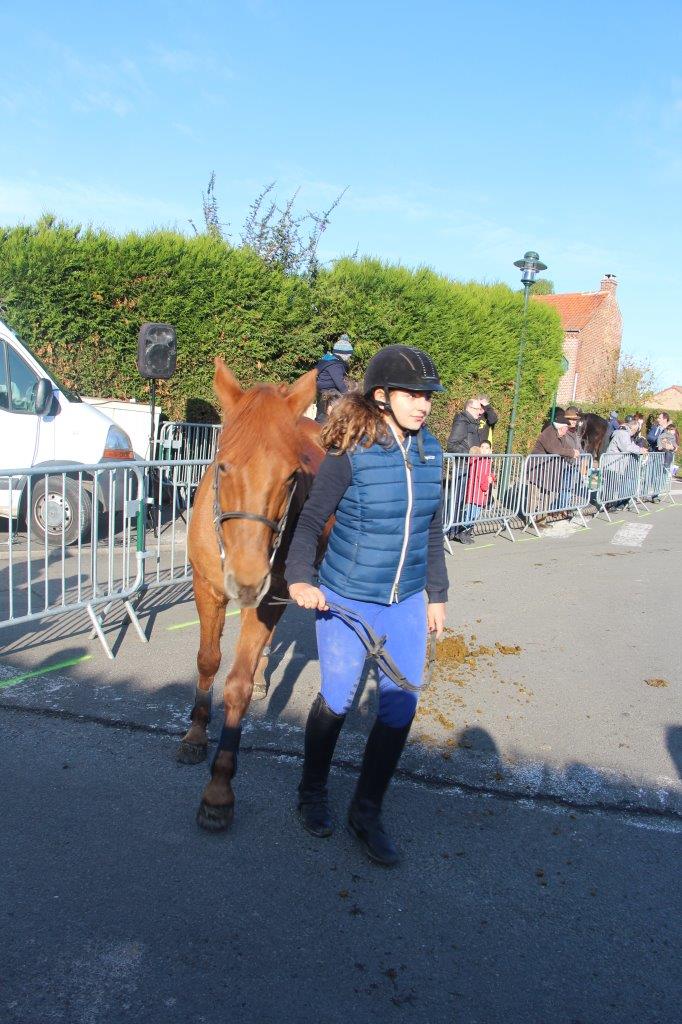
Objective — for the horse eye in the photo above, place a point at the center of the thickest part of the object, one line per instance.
(223, 467)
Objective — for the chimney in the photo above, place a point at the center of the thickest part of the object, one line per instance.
(609, 283)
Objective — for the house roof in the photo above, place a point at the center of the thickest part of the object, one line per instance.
(669, 398)
(576, 309)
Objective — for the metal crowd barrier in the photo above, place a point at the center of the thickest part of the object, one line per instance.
(655, 478)
(168, 519)
(620, 480)
(552, 483)
(74, 556)
(191, 444)
(481, 489)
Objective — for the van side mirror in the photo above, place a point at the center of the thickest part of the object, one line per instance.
(44, 397)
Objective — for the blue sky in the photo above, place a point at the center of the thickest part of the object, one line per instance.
(465, 133)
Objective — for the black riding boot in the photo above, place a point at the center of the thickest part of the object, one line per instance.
(382, 753)
(321, 733)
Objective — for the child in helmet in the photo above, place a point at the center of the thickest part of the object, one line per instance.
(381, 479)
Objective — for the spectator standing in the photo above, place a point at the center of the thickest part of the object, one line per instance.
(668, 443)
(471, 426)
(569, 477)
(469, 429)
(638, 437)
(332, 376)
(479, 482)
(662, 425)
(622, 444)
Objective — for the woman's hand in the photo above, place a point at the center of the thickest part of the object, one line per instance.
(307, 596)
(435, 617)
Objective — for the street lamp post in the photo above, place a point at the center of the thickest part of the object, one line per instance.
(529, 266)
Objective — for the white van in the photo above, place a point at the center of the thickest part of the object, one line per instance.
(43, 423)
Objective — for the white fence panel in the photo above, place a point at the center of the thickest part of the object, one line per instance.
(620, 478)
(553, 483)
(190, 444)
(655, 478)
(82, 550)
(481, 489)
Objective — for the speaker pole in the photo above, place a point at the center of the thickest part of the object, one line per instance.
(152, 403)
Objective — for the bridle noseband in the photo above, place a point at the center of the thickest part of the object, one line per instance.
(219, 517)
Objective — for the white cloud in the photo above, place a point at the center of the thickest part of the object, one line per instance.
(92, 101)
(75, 201)
(182, 62)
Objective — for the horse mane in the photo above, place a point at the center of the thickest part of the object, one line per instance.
(261, 418)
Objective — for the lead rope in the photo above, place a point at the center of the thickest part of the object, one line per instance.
(375, 646)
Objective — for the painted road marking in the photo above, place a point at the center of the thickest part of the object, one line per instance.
(633, 535)
(6, 683)
(195, 622)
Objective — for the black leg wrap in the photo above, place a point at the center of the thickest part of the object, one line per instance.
(203, 699)
(230, 738)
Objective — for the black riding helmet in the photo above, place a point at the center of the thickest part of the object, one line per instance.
(403, 367)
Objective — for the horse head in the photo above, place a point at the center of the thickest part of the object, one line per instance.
(263, 451)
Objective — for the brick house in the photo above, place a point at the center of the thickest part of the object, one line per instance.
(593, 328)
(669, 399)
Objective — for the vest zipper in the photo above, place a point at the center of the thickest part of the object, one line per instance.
(406, 537)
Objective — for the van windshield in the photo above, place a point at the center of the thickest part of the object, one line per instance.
(68, 393)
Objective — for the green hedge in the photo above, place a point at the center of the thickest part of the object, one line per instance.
(78, 298)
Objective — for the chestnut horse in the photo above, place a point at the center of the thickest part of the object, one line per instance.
(245, 510)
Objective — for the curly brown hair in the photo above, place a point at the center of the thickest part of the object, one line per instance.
(354, 420)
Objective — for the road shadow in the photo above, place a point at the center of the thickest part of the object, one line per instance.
(674, 744)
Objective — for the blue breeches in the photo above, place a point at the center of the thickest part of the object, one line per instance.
(342, 655)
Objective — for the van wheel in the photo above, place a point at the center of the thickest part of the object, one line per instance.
(54, 508)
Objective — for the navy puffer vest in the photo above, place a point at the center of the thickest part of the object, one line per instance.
(377, 550)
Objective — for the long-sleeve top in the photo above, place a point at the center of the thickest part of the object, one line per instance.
(622, 443)
(479, 481)
(333, 479)
(331, 374)
(467, 431)
(549, 443)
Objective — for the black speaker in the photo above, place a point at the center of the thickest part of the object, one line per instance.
(156, 351)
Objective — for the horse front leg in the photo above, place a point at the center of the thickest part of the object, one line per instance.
(216, 810)
(211, 607)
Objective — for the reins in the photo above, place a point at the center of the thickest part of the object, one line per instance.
(219, 517)
(375, 646)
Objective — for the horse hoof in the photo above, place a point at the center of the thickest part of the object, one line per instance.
(192, 753)
(260, 691)
(215, 818)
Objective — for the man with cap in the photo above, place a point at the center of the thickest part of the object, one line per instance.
(544, 475)
(332, 371)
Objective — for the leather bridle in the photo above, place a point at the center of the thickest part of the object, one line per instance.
(219, 517)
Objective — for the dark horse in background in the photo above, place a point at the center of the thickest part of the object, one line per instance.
(592, 431)
(244, 514)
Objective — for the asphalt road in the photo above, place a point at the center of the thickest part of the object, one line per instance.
(538, 808)
(117, 908)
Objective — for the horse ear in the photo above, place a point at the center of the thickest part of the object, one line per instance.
(302, 393)
(226, 386)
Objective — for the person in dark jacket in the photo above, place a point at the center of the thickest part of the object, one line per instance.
(384, 561)
(470, 428)
(332, 376)
(545, 476)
